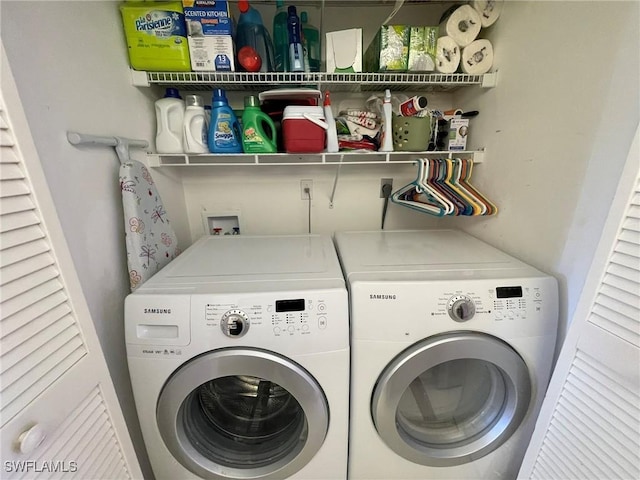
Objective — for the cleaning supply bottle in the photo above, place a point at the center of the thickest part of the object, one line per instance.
(296, 55)
(195, 126)
(311, 42)
(254, 137)
(224, 130)
(387, 137)
(332, 133)
(170, 117)
(281, 38)
(251, 33)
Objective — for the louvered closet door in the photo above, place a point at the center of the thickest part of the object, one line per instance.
(589, 426)
(58, 411)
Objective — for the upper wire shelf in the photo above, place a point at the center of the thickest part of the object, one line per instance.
(345, 82)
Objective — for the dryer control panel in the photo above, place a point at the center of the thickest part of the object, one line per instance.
(511, 302)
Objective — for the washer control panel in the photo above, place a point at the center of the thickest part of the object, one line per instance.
(285, 317)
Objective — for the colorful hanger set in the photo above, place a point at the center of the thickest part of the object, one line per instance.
(442, 187)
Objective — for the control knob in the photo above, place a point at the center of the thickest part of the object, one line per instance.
(461, 308)
(234, 323)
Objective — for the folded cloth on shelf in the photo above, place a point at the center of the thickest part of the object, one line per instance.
(462, 23)
(477, 57)
(150, 240)
(489, 11)
(447, 55)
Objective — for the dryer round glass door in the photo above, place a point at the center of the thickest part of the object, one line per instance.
(242, 413)
(451, 398)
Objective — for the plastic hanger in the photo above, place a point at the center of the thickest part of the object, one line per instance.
(416, 197)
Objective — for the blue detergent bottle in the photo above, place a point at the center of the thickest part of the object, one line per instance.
(252, 35)
(224, 129)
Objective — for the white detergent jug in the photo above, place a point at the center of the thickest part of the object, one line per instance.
(195, 126)
(170, 117)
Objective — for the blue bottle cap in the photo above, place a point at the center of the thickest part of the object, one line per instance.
(172, 93)
(292, 10)
(219, 95)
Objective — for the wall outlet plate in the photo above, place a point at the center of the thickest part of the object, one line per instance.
(304, 184)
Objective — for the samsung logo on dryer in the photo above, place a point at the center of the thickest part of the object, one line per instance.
(377, 296)
(159, 311)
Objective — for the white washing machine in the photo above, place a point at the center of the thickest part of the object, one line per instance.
(452, 346)
(238, 352)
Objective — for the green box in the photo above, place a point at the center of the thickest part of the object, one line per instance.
(389, 50)
(422, 49)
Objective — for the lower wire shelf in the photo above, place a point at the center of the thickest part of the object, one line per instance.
(158, 160)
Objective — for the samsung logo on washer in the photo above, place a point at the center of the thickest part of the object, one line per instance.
(159, 311)
(374, 296)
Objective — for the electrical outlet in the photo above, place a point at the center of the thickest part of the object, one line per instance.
(383, 182)
(304, 185)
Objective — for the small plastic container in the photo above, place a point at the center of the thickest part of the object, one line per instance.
(304, 129)
(411, 134)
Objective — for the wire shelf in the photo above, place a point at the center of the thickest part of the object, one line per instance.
(344, 158)
(349, 82)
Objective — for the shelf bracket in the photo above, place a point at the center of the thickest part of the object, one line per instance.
(335, 182)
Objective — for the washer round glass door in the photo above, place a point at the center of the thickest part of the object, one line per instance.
(451, 398)
(242, 413)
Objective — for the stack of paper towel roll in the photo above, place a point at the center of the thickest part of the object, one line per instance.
(458, 46)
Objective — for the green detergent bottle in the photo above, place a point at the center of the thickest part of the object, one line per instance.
(254, 137)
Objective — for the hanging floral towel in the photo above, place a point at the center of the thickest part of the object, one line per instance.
(150, 239)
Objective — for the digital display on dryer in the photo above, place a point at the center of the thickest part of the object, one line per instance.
(290, 305)
(509, 292)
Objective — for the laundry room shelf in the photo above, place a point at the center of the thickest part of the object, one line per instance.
(344, 82)
(344, 158)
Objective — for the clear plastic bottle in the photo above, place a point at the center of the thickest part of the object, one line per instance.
(387, 138)
(311, 42)
(296, 54)
(281, 38)
(224, 130)
(252, 33)
(195, 126)
(332, 133)
(170, 117)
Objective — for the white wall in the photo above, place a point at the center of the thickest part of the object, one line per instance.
(556, 128)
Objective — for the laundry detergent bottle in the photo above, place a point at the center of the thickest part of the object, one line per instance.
(170, 117)
(253, 43)
(255, 123)
(224, 129)
(195, 126)
(281, 38)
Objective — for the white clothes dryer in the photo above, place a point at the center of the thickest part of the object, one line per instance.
(238, 352)
(452, 347)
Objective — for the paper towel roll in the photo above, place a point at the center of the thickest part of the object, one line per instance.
(477, 57)
(447, 55)
(489, 11)
(463, 24)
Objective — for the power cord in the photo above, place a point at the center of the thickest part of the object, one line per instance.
(308, 192)
(386, 193)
